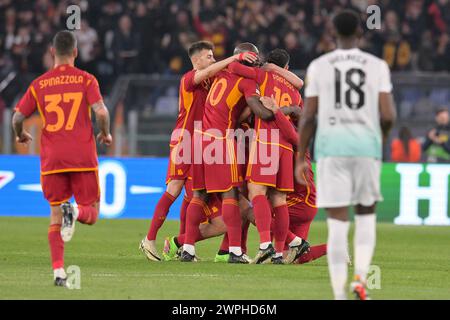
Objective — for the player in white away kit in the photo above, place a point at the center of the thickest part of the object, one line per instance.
(350, 92)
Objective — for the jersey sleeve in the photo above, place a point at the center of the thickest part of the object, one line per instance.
(188, 81)
(312, 81)
(385, 78)
(93, 94)
(249, 88)
(286, 128)
(242, 71)
(27, 104)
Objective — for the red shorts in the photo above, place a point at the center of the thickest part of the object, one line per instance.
(276, 170)
(60, 187)
(214, 208)
(178, 168)
(301, 215)
(219, 170)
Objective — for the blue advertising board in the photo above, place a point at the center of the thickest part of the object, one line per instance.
(131, 187)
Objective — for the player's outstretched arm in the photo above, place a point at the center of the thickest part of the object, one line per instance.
(211, 70)
(306, 127)
(103, 121)
(21, 135)
(258, 109)
(388, 113)
(285, 73)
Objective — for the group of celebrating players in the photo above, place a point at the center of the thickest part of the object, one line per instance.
(224, 195)
(229, 183)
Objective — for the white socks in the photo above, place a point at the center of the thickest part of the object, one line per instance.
(296, 242)
(364, 242)
(236, 250)
(337, 254)
(59, 273)
(189, 248)
(264, 245)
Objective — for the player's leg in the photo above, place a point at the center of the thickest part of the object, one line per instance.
(56, 189)
(300, 217)
(263, 219)
(367, 193)
(86, 190)
(280, 224)
(334, 193)
(232, 217)
(189, 193)
(56, 245)
(364, 246)
(338, 227)
(195, 215)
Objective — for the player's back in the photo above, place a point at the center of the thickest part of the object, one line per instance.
(347, 84)
(226, 100)
(63, 96)
(285, 94)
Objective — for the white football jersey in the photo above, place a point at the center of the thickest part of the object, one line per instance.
(347, 84)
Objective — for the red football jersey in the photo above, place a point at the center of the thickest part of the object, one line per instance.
(63, 97)
(191, 104)
(226, 101)
(285, 94)
(304, 193)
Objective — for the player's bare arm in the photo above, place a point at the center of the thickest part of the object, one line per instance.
(282, 122)
(306, 127)
(244, 115)
(102, 117)
(388, 113)
(285, 73)
(258, 109)
(21, 135)
(214, 68)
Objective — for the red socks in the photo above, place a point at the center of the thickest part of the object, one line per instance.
(160, 214)
(244, 235)
(194, 216)
(87, 214)
(280, 227)
(232, 217)
(224, 246)
(314, 253)
(183, 211)
(263, 217)
(56, 246)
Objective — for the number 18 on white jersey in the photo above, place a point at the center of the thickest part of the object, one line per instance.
(347, 84)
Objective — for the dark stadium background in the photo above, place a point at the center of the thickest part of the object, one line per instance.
(137, 50)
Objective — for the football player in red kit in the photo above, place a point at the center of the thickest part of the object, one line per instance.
(65, 97)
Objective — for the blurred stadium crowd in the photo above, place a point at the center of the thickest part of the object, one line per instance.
(151, 36)
(125, 36)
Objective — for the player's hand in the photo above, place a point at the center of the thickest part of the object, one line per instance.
(107, 140)
(269, 103)
(24, 138)
(300, 171)
(247, 56)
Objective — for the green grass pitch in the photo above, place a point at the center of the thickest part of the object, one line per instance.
(414, 264)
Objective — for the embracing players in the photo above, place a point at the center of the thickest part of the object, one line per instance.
(64, 97)
(194, 87)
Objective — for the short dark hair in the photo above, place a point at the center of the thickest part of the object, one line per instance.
(347, 22)
(280, 57)
(440, 110)
(64, 43)
(199, 46)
